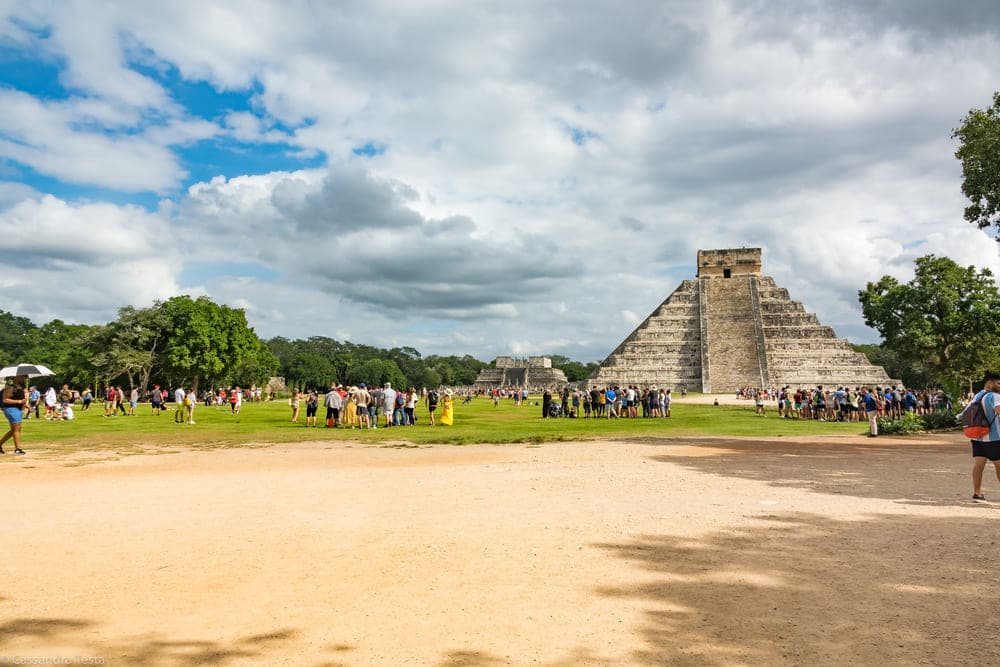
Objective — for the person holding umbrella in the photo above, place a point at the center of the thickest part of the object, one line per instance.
(14, 400)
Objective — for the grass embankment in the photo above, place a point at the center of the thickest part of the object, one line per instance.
(476, 422)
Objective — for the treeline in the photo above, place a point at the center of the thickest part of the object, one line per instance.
(316, 361)
(199, 343)
(194, 342)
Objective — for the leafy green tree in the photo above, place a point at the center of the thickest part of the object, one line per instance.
(574, 370)
(308, 369)
(132, 344)
(256, 368)
(979, 153)
(912, 373)
(206, 341)
(63, 348)
(17, 336)
(947, 319)
(376, 372)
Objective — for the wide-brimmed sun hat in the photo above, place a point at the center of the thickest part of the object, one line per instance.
(447, 392)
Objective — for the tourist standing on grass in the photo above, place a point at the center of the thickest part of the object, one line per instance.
(179, 396)
(334, 403)
(86, 398)
(988, 448)
(34, 402)
(50, 402)
(447, 408)
(312, 404)
(871, 411)
(294, 403)
(133, 400)
(155, 401)
(609, 401)
(393, 412)
(432, 404)
(399, 413)
(190, 401)
(362, 398)
(410, 407)
(546, 402)
(13, 401)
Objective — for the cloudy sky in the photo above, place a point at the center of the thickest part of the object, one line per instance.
(484, 178)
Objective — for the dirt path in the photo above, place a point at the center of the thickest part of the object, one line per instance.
(704, 551)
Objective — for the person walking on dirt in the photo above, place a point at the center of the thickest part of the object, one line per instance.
(13, 401)
(989, 447)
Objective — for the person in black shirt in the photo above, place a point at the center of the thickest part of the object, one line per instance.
(14, 400)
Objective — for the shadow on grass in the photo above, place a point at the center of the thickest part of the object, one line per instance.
(912, 473)
(805, 589)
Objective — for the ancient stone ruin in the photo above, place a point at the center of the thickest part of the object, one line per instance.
(531, 373)
(730, 328)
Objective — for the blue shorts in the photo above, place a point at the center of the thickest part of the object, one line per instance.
(13, 415)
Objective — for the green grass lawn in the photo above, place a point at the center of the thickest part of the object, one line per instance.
(476, 422)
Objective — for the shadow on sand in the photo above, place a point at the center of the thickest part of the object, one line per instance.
(805, 589)
(904, 471)
(38, 637)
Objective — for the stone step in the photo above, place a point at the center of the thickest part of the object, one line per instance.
(804, 332)
(789, 319)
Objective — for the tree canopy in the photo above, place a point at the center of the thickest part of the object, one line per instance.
(946, 320)
(979, 153)
(206, 340)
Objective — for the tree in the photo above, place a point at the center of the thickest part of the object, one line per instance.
(132, 344)
(947, 319)
(979, 153)
(911, 373)
(17, 336)
(256, 368)
(308, 369)
(63, 348)
(574, 370)
(206, 340)
(376, 372)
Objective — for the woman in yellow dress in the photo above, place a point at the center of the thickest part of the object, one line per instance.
(349, 415)
(447, 411)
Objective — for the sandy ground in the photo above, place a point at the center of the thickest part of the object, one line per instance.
(698, 551)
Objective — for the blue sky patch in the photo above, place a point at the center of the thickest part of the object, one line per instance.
(39, 77)
(370, 149)
(207, 274)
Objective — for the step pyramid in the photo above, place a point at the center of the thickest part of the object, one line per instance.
(732, 327)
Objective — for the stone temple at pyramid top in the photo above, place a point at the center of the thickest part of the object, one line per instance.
(729, 262)
(732, 327)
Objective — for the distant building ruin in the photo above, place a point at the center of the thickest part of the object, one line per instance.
(732, 327)
(531, 373)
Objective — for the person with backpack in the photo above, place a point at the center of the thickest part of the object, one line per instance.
(432, 403)
(981, 421)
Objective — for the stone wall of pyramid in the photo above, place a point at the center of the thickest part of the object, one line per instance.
(731, 328)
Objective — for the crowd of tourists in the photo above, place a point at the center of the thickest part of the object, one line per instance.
(611, 402)
(366, 408)
(844, 403)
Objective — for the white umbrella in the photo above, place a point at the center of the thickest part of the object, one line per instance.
(31, 370)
